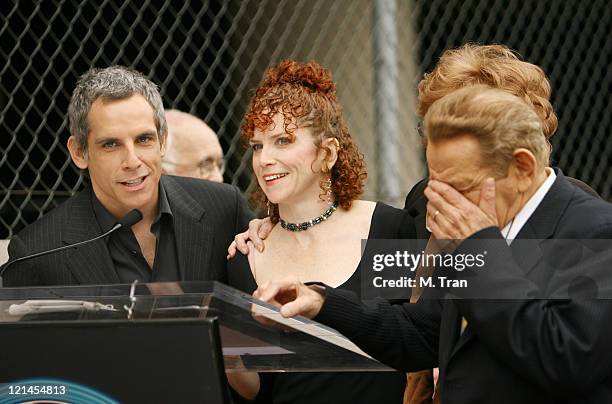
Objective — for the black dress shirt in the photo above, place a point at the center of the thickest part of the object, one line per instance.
(128, 260)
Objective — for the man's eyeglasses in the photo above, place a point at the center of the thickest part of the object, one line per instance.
(420, 128)
(205, 167)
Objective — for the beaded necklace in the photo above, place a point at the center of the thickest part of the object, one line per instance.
(305, 225)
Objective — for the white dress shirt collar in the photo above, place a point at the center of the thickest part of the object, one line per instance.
(511, 230)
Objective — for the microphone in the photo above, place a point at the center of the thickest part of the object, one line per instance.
(131, 218)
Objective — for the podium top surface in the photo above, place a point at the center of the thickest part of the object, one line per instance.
(254, 336)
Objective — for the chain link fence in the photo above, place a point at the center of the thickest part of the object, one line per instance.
(207, 55)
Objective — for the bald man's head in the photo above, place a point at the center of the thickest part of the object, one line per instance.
(193, 149)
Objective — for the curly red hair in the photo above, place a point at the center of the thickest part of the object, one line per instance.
(306, 96)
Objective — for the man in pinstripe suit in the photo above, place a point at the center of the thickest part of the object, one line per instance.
(118, 132)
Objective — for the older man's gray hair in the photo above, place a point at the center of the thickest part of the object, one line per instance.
(111, 83)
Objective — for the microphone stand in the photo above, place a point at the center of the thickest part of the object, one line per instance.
(133, 217)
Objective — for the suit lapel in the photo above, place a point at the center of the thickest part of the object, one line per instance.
(541, 226)
(193, 236)
(542, 223)
(91, 263)
(421, 230)
(449, 331)
(526, 253)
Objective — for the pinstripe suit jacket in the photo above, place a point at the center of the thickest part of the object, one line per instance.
(207, 215)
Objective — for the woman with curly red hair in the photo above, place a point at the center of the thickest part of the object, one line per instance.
(302, 97)
(309, 175)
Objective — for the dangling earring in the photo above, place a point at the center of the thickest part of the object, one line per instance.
(268, 206)
(326, 186)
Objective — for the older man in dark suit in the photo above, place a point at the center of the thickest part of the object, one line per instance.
(490, 184)
(118, 132)
(496, 66)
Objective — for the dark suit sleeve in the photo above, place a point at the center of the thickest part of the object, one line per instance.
(243, 213)
(562, 344)
(21, 273)
(238, 270)
(404, 337)
(583, 186)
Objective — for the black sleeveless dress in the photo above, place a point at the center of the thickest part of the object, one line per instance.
(334, 387)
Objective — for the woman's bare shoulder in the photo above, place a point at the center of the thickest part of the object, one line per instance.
(361, 210)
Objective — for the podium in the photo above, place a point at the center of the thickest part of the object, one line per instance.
(159, 342)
